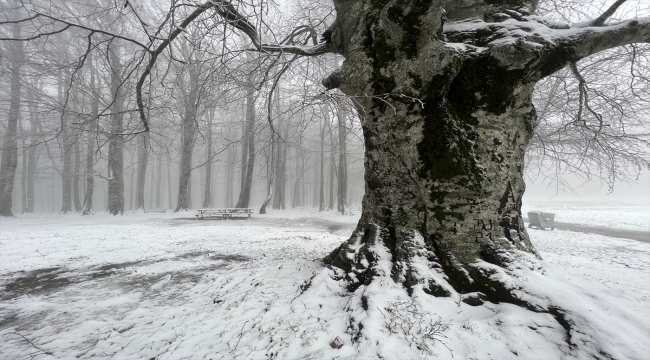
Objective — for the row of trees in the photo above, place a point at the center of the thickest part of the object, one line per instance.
(240, 125)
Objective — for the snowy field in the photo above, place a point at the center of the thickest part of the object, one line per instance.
(165, 286)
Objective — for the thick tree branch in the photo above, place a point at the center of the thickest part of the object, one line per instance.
(574, 44)
(600, 21)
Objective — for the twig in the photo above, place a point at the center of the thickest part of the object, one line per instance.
(240, 335)
(32, 344)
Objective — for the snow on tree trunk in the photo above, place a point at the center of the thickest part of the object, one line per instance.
(446, 120)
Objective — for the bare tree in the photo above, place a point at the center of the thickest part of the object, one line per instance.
(10, 145)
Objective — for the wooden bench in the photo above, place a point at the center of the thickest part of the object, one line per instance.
(224, 214)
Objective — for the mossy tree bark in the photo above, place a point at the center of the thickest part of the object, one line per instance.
(446, 114)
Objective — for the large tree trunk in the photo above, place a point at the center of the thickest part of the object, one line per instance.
(445, 135)
(443, 172)
(116, 140)
(10, 148)
(248, 159)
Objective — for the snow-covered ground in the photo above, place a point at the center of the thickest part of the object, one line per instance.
(165, 286)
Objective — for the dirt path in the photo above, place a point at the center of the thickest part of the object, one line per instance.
(643, 236)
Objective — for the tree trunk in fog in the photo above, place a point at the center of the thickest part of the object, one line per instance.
(297, 199)
(207, 192)
(169, 183)
(282, 179)
(10, 146)
(248, 162)
(343, 166)
(116, 140)
(330, 203)
(75, 177)
(321, 173)
(187, 141)
(273, 164)
(90, 142)
(66, 151)
(159, 182)
(143, 159)
(230, 176)
(32, 154)
(23, 171)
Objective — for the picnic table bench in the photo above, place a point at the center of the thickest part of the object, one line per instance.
(541, 220)
(225, 214)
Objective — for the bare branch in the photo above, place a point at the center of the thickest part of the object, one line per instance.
(600, 21)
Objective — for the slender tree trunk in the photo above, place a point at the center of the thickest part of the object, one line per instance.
(116, 141)
(321, 173)
(90, 142)
(152, 185)
(207, 192)
(66, 151)
(296, 201)
(282, 180)
(75, 177)
(9, 148)
(190, 102)
(23, 169)
(159, 182)
(32, 155)
(230, 176)
(330, 203)
(343, 166)
(244, 195)
(170, 196)
(143, 159)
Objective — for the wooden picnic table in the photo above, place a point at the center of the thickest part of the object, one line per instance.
(224, 213)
